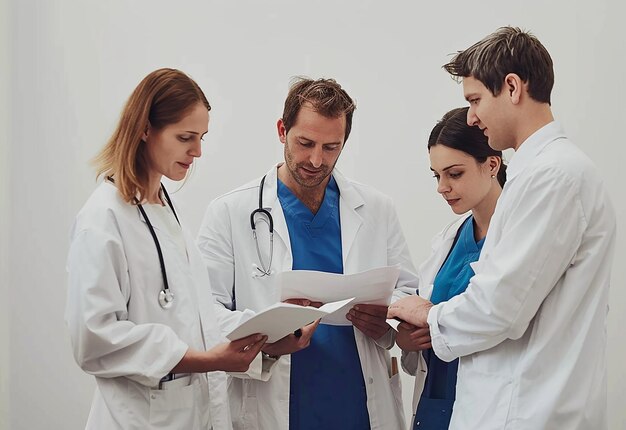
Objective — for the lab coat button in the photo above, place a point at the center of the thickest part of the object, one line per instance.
(370, 380)
(153, 397)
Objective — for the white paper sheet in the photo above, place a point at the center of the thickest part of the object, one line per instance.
(394, 323)
(373, 286)
(280, 319)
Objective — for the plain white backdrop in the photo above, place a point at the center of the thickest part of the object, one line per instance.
(69, 66)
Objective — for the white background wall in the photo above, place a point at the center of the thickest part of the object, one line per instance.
(70, 65)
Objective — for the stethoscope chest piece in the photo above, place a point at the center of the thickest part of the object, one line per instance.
(166, 297)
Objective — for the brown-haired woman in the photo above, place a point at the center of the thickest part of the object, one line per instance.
(139, 308)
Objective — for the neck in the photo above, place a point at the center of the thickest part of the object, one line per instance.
(154, 189)
(536, 117)
(484, 211)
(311, 197)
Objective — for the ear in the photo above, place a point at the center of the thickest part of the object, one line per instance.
(282, 132)
(514, 86)
(494, 164)
(146, 133)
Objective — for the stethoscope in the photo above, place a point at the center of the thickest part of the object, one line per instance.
(265, 216)
(166, 297)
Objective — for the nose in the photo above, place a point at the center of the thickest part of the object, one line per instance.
(195, 150)
(442, 186)
(316, 156)
(472, 119)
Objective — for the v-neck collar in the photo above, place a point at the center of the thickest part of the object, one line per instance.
(298, 210)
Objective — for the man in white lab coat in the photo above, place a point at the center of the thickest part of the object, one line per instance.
(321, 221)
(530, 330)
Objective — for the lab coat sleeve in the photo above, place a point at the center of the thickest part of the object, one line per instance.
(398, 254)
(542, 229)
(105, 343)
(215, 242)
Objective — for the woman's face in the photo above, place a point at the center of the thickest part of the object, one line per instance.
(172, 149)
(461, 180)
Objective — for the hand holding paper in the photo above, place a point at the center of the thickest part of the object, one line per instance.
(282, 319)
(412, 309)
(370, 287)
(370, 319)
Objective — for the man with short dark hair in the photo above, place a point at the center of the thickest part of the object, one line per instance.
(330, 377)
(530, 329)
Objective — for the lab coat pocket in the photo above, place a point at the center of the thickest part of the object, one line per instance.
(174, 407)
(396, 391)
(489, 403)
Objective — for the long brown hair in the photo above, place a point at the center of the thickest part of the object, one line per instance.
(162, 98)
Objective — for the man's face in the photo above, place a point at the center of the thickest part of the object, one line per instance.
(312, 148)
(490, 113)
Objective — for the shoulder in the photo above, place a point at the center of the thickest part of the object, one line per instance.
(239, 195)
(563, 162)
(104, 211)
(450, 230)
(351, 188)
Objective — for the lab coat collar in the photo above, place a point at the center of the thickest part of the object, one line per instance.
(532, 146)
(347, 191)
(349, 197)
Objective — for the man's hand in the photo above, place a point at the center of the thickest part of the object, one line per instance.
(291, 343)
(304, 302)
(412, 309)
(370, 319)
(411, 338)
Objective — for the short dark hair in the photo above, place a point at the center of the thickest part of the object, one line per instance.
(508, 50)
(325, 96)
(453, 132)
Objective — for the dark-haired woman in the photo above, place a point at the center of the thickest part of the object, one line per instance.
(470, 176)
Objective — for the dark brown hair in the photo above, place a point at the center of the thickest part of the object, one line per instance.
(508, 50)
(453, 132)
(325, 96)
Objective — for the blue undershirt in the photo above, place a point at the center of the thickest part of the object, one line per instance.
(435, 407)
(327, 390)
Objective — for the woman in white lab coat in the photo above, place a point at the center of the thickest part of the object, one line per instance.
(139, 309)
(470, 176)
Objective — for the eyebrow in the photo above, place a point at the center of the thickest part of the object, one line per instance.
(306, 139)
(449, 167)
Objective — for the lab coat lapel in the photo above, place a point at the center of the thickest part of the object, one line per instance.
(349, 202)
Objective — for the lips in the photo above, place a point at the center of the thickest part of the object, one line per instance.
(452, 202)
(184, 165)
(311, 172)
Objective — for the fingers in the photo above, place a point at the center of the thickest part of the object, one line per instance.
(370, 325)
(379, 311)
(246, 343)
(406, 326)
(253, 349)
(299, 302)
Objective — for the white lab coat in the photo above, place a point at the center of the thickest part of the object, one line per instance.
(123, 337)
(371, 237)
(413, 362)
(531, 327)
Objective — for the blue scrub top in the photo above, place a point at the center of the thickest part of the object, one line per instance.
(435, 407)
(327, 390)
